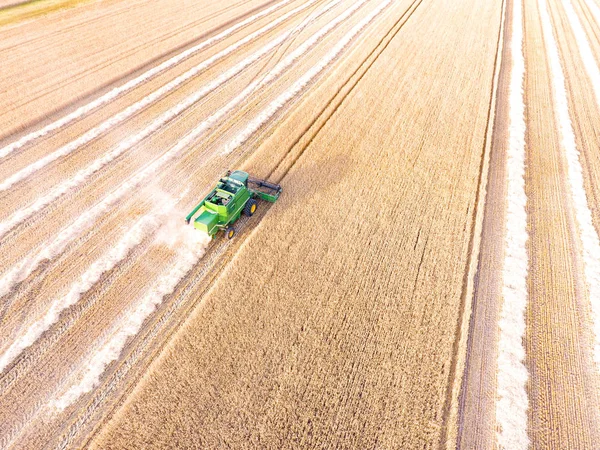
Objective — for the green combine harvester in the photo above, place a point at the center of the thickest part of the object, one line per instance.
(235, 193)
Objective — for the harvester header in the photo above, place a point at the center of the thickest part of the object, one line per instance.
(235, 193)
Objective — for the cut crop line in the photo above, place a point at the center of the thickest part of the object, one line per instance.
(595, 10)
(588, 235)
(114, 93)
(125, 367)
(337, 99)
(22, 270)
(82, 24)
(134, 237)
(32, 354)
(107, 266)
(458, 378)
(186, 244)
(512, 402)
(192, 246)
(301, 83)
(82, 176)
(123, 115)
(146, 347)
(587, 56)
(111, 351)
(134, 244)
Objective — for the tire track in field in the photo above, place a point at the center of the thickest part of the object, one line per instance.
(24, 269)
(84, 174)
(291, 92)
(148, 100)
(588, 234)
(295, 56)
(115, 92)
(476, 424)
(298, 86)
(68, 436)
(336, 100)
(458, 377)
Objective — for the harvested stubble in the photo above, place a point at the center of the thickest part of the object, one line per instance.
(340, 320)
(583, 103)
(56, 61)
(558, 340)
(335, 323)
(477, 421)
(52, 364)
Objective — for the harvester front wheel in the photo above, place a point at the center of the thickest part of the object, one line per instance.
(230, 232)
(250, 208)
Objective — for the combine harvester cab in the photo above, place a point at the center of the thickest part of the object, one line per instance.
(235, 193)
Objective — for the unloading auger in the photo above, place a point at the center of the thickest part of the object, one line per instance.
(235, 193)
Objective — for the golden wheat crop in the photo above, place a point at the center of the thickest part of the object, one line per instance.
(428, 278)
(351, 284)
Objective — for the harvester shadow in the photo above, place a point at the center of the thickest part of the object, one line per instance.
(306, 177)
(301, 181)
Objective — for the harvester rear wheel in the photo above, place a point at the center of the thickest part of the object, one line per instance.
(230, 232)
(250, 208)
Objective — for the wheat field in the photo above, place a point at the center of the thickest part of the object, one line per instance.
(429, 277)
